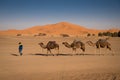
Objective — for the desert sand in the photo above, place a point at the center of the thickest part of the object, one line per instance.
(35, 65)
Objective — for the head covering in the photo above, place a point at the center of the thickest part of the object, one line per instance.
(19, 42)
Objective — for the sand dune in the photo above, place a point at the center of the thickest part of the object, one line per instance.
(56, 29)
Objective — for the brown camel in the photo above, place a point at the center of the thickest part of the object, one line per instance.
(74, 45)
(50, 45)
(101, 43)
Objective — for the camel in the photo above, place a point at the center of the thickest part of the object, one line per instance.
(101, 43)
(74, 45)
(50, 45)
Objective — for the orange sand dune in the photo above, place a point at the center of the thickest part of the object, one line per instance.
(59, 28)
(56, 29)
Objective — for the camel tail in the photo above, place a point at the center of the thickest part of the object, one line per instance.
(109, 48)
(57, 47)
(83, 48)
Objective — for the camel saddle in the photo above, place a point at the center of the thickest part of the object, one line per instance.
(53, 42)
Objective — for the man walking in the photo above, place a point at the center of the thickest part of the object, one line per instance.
(20, 48)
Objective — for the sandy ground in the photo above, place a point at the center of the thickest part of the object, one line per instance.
(35, 65)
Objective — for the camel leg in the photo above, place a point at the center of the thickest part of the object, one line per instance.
(58, 51)
(47, 52)
(95, 51)
(79, 52)
(99, 51)
(107, 47)
(112, 52)
(51, 52)
(57, 48)
(76, 52)
(73, 51)
(106, 52)
(82, 52)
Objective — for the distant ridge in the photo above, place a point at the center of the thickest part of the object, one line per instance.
(56, 29)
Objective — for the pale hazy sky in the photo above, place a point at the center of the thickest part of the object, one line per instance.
(21, 14)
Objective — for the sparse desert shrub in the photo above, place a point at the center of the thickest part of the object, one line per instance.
(104, 34)
(100, 34)
(108, 34)
(115, 34)
(35, 35)
(119, 34)
(93, 34)
(41, 34)
(19, 34)
(88, 34)
(64, 35)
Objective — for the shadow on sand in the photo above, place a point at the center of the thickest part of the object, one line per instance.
(40, 54)
(14, 54)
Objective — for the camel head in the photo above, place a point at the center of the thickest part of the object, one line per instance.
(64, 43)
(40, 43)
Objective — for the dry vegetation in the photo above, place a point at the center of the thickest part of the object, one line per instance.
(35, 65)
(64, 35)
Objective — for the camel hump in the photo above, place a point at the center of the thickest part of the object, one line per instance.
(52, 42)
(102, 40)
(74, 41)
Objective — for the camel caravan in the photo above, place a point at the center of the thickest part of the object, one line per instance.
(100, 43)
